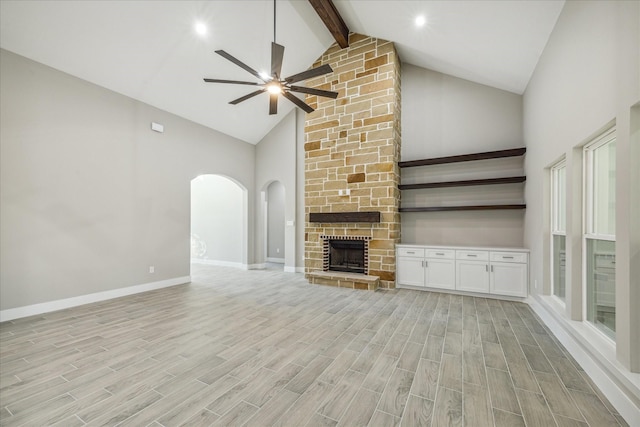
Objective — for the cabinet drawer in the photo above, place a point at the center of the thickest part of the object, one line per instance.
(411, 252)
(440, 253)
(509, 257)
(473, 255)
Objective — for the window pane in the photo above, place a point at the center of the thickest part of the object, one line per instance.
(559, 266)
(601, 285)
(604, 189)
(560, 199)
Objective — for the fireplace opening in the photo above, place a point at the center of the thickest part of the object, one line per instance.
(347, 255)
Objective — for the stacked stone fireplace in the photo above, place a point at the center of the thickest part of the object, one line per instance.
(352, 148)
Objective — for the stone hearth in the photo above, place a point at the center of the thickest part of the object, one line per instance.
(344, 280)
(352, 148)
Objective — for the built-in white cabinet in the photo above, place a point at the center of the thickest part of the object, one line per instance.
(441, 273)
(420, 267)
(477, 270)
(410, 267)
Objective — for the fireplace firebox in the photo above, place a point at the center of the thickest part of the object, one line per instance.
(347, 255)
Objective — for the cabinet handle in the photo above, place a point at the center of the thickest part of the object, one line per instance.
(410, 252)
(439, 253)
(507, 257)
(492, 268)
(473, 255)
(486, 268)
(426, 263)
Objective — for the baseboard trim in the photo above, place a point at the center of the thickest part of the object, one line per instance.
(276, 260)
(457, 292)
(48, 307)
(299, 269)
(288, 269)
(219, 263)
(620, 387)
(256, 267)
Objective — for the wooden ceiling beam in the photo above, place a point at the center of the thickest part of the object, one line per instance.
(327, 11)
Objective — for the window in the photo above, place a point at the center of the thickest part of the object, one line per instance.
(600, 232)
(558, 228)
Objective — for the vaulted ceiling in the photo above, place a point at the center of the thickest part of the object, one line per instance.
(148, 50)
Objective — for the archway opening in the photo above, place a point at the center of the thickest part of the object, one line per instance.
(274, 225)
(218, 221)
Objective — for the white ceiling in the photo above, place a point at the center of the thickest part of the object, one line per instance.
(149, 51)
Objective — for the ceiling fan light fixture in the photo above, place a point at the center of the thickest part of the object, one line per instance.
(274, 83)
(274, 88)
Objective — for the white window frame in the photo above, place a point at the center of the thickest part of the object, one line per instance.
(555, 216)
(588, 179)
(588, 218)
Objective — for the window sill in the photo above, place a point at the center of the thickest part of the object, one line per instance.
(595, 353)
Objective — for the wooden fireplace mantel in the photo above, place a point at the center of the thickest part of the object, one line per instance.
(325, 217)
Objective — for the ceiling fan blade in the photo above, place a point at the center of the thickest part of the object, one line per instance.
(273, 103)
(235, 82)
(298, 102)
(277, 53)
(238, 63)
(312, 91)
(314, 72)
(244, 98)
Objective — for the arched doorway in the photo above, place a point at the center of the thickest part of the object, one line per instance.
(218, 221)
(275, 223)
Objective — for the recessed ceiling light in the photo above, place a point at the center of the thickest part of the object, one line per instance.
(420, 20)
(200, 28)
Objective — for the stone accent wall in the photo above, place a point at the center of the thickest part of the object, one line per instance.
(353, 143)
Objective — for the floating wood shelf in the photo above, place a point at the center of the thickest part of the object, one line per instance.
(464, 208)
(344, 217)
(514, 152)
(468, 183)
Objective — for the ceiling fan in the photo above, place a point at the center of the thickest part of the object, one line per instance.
(274, 83)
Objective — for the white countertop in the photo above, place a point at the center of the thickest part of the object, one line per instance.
(465, 248)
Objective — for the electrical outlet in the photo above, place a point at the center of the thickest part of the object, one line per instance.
(152, 269)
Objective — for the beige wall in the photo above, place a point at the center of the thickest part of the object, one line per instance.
(444, 116)
(90, 196)
(276, 161)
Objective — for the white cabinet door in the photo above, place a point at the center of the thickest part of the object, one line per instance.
(441, 273)
(509, 279)
(472, 276)
(410, 271)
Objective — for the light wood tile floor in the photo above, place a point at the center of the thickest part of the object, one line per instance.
(262, 348)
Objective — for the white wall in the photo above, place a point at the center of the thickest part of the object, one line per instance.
(275, 220)
(90, 196)
(276, 161)
(444, 116)
(588, 78)
(217, 216)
